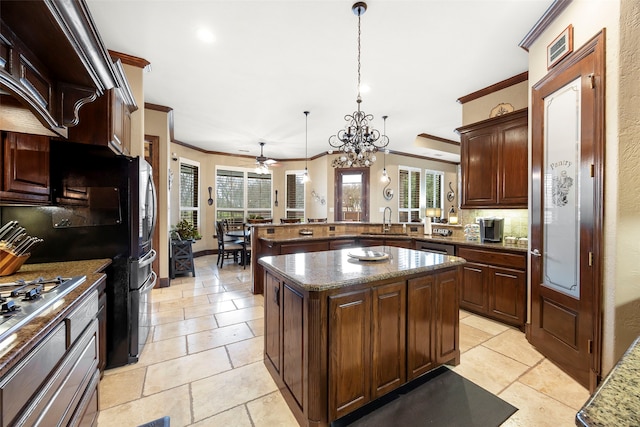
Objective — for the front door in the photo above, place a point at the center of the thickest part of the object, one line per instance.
(352, 194)
(567, 212)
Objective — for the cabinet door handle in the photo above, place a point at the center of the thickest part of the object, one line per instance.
(535, 252)
(276, 295)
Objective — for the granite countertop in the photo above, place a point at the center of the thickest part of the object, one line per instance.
(616, 402)
(395, 236)
(320, 271)
(31, 333)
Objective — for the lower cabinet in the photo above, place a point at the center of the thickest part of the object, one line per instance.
(303, 247)
(56, 383)
(332, 352)
(494, 284)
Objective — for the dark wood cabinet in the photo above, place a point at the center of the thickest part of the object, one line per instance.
(494, 162)
(420, 331)
(400, 243)
(106, 121)
(303, 247)
(273, 323)
(102, 325)
(293, 372)
(494, 284)
(332, 352)
(342, 243)
(388, 340)
(349, 341)
(447, 317)
(370, 242)
(56, 382)
(25, 160)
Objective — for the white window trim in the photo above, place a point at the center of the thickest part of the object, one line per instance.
(286, 194)
(442, 204)
(181, 208)
(421, 196)
(245, 200)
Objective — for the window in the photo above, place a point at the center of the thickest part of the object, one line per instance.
(409, 197)
(433, 185)
(294, 196)
(241, 194)
(189, 191)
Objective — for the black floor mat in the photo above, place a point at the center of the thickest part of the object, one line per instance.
(441, 398)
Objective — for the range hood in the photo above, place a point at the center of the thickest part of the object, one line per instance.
(52, 63)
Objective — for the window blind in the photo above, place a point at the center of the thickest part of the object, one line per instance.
(189, 200)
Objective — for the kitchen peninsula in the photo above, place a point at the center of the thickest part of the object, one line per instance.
(341, 331)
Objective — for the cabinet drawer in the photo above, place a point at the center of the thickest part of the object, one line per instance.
(60, 396)
(81, 317)
(22, 382)
(483, 256)
(297, 248)
(342, 243)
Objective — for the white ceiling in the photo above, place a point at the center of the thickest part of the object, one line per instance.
(271, 60)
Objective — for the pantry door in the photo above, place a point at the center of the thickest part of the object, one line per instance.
(567, 212)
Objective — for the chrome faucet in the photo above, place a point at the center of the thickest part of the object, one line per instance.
(385, 227)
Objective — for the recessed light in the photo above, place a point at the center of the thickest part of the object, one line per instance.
(206, 35)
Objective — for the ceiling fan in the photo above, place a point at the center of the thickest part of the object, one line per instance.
(262, 162)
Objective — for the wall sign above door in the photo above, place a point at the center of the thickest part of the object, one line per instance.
(560, 47)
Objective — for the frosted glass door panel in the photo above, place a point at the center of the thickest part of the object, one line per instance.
(561, 228)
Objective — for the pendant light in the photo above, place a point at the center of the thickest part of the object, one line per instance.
(306, 177)
(385, 176)
(358, 141)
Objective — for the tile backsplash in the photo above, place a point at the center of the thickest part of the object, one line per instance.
(516, 221)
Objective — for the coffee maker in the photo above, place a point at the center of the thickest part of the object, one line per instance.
(491, 229)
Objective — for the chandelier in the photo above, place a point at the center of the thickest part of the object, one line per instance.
(358, 141)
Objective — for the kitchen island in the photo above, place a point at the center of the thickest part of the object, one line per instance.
(341, 332)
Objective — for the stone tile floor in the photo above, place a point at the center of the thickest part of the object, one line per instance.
(203, 363)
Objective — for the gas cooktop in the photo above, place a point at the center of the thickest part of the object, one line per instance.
(22, 301)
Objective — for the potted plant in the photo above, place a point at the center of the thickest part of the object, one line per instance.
(255, 219)
(184, 230)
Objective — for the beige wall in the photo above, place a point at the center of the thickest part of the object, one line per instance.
(157, 124)
(480, 109)
(626, 275)
(322, 182)
(135, 77)
(621, 277)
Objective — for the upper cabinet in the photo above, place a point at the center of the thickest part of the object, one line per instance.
(106, 121)
(54, 63)
(494, 162)
(25, 160)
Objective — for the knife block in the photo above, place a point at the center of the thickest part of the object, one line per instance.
(10, 263)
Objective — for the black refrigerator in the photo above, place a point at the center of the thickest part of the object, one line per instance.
(104, 206)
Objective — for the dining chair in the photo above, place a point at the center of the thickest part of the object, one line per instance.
(246, 246)
(226, 247)
(316, 219)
